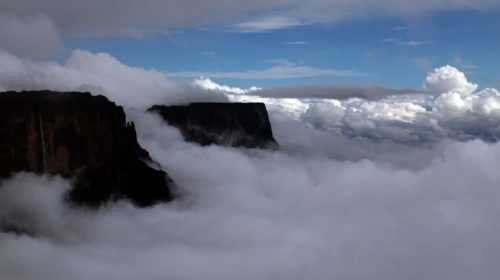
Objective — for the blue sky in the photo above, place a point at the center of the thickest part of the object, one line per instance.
(267, 43)
(391, 52)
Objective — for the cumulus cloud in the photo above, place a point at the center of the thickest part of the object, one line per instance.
(448, 79)
(418, 119)
(454, 111)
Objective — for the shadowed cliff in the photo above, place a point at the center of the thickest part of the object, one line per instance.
(231, 124)
(80, 136)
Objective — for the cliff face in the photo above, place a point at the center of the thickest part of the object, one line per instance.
(233, 124)
(82, 136)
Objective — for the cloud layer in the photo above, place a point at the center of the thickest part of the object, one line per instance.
(323, 11)
(274, 72)
(267, 215)
(339, 91)
(98, 18)
(360, 189)
(48, 19)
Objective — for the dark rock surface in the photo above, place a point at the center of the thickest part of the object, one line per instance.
(232, 124)
(77, 135)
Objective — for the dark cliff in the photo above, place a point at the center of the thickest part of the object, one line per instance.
(233, 124)
(80, 136)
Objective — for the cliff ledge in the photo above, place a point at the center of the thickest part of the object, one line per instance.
(231, 124)
(77, 135)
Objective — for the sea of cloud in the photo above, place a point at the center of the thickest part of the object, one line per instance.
(351, 194)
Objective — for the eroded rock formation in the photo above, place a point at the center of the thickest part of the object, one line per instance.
(77, 135)
(232, 124)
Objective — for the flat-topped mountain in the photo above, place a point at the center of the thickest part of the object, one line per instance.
(231, 124)
(77, 135)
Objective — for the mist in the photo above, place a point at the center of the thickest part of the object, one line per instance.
(332, 203)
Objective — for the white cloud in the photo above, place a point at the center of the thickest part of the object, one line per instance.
(297, 43)
(281, 62)
(209, 85)
(100, 74)
(414, 43)
(275, 72)
(291, 107)
(456, 112)
(268, 215)
(355, 111)
(378, 114)
(266, 24)
(129, 18)
(400, 28)
(351, 194)
(208, 53)
(403, 43)
(40, 216)
(324, 11)
(447, 79)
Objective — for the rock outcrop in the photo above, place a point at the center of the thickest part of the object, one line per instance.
(231, 124)
(80, 136)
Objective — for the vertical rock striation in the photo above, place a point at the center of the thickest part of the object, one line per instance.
(80, 136)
